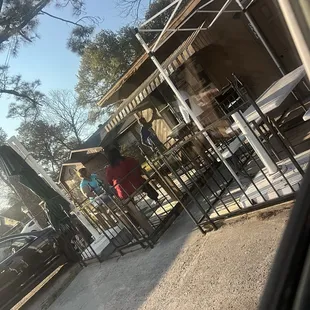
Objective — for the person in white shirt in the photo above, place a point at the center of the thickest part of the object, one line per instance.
(197, 110)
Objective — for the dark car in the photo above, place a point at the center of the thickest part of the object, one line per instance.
(25, 260)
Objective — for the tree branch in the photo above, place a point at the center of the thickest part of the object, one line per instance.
(25, 37)
(7, 33)
(62, 19)
(62, 142)
(130, 7)
(17, 94)
(63, 5)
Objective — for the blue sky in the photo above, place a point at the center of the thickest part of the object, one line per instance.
(48, 59)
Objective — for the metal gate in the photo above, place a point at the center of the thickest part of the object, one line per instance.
(209, 190)
(189, 176)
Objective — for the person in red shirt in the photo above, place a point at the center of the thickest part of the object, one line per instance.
(125, 175)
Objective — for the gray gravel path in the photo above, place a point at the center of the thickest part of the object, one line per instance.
(226, 269)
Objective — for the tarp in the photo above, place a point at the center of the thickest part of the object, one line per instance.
(57, 207)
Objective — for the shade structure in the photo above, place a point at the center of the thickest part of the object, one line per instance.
(57, 207)
(170, 65)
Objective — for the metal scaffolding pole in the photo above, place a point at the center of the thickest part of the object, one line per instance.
(183, 23)
(227, 3)
(167, 25)
(219, 13)
(261, 37)
(185, 106)
(295, 27)
(267, 47)
(255, 143)
(159, 13)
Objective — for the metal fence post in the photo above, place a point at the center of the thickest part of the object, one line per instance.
(185, 106)
(255, 143)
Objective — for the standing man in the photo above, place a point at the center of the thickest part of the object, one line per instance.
(148, 135)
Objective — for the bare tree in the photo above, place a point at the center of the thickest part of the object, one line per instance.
(49, 143)
(61, 107)
(135, 8)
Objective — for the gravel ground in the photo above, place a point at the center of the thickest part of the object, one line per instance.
(226, 269)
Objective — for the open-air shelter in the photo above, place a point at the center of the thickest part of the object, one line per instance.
(249, 166)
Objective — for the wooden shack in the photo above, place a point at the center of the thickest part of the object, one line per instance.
(91, 155)
(200, 63)
(204, 61)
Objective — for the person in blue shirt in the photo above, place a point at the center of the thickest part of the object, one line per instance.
(94, 189)
(90, 185)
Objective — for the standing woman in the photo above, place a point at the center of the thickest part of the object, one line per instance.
(125, 175)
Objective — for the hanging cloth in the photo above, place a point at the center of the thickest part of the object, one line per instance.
(192, 105)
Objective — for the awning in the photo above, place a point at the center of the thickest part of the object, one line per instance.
(171, 64)
(184, 15)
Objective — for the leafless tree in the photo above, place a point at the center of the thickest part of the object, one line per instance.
(131, 8)
(62, 105)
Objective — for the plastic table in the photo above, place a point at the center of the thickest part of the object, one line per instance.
(274, 96)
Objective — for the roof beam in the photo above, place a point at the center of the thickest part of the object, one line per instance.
(227, 3)
(159, 13)
(216, 11)
(167, 25)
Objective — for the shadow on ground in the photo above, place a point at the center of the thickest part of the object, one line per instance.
(226, 269)
(126, 282)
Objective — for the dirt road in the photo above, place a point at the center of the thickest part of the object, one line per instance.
(226, 269)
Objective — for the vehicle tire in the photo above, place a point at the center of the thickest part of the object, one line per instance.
(68, 250)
